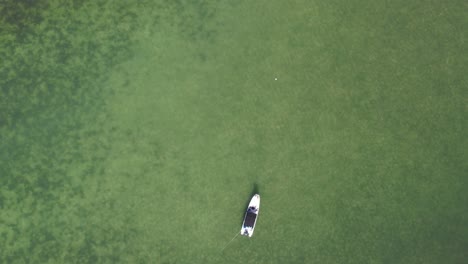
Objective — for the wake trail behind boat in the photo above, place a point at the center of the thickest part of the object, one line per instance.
(230, 241)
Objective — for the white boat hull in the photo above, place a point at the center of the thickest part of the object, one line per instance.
(251, 215)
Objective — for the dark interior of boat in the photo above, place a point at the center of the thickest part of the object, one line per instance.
(250, 219)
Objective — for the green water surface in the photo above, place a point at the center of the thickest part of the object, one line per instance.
(136, 131)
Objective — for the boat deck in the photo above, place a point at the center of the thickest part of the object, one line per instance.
(250, 219)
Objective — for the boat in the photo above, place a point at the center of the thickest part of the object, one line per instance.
(251, 215)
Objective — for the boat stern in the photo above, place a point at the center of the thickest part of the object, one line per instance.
(247, 231)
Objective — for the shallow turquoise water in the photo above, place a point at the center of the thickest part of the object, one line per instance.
(136, 131)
